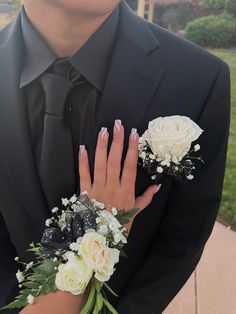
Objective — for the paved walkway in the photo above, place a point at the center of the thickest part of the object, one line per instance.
(212, 287)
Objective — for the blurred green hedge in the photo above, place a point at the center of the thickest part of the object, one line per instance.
(212, 31)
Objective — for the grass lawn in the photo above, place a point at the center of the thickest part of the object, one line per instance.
(227, 212)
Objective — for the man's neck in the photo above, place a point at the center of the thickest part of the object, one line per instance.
(64, 32)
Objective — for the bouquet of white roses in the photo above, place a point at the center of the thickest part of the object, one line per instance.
(79, 248)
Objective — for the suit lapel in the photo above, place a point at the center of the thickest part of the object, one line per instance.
(133, 76)
(15, 146)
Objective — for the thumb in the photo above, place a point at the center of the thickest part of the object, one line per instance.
(145, 199)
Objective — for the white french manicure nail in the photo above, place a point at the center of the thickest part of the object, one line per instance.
(103, 132)
(133, 134)
(117, 125)
(82, 149)
(157, 188)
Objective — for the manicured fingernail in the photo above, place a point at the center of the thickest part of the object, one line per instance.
(82, 149)
(117, 125)
(103, 132)
(134, 134)
(157, 188)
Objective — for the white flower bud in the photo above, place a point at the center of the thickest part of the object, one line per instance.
(20, 276)
(159, 169)
(30, 299)
(190, 177)
(28, 266)
(65, 201)
(196, 147)
(55, 209)
(114, 211)
(73, 199)
(98, 220)
(48, 222)
(142, 155)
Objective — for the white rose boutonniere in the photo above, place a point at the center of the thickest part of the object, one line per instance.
(165, 147)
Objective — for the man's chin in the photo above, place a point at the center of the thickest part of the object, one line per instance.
(85, 7)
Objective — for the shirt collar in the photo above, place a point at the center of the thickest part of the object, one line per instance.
(91, 60)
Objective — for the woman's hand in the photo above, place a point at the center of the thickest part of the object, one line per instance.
(110, 186)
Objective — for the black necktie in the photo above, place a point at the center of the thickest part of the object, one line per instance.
(56, 160)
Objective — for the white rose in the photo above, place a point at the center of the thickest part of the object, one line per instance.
(73, 276)
(172, 136)
(98, 256)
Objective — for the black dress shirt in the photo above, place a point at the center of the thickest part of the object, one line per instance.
(91, 62)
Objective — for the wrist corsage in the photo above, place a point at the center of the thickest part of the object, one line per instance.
(79, 248)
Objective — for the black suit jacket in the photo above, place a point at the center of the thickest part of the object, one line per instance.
(152, 73)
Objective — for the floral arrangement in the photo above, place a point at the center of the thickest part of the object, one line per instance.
(83, 240)
(165, 147)
(79, 248)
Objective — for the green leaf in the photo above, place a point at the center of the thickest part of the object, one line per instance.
(26, 292)
(36, 277)
(109, 288)
(31, 284)
(19, 302)
(88, 306)
(110, 307)
(48, 285)
(124, 216)
(47, 268)
(122, 253)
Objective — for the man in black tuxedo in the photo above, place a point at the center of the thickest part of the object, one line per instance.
(126, 68)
